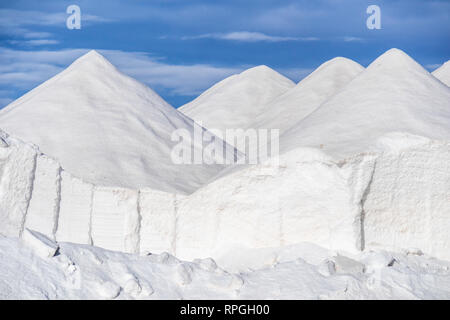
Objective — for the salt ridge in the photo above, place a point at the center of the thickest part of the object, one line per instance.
(237, 100)
(295, 104)
(443, 73)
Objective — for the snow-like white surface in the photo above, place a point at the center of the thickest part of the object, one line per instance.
(368, 170)
(294, 105)
(394, 93)
(372, 200)
(17, 168)
(408, 203)
(36, 193)
(323, 194)
(158, 211)
(115, 219)
(249, 100)
(236, 101)
(43, 210)
(443, 73)
(41, 245)
(302, 271)
(105, 128)
(259, 207)
(396, 198)
(75, 210)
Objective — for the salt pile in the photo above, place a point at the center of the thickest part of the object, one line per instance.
(366, 166)
(304, 271)
(394, 94)
(236, 101)
(443, 73)
(105, 128)
(298, 102)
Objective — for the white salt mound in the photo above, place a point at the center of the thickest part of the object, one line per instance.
(295, 104)
(369, 168)
(236, 101)
(443, 73)
(77, 274)
(105, 127)
(394, 93)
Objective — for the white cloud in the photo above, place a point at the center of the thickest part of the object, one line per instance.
(352, 39)
(19, 22)
(34, 42)
(41, 42)
(26, 69)
(179, 79)
(18, 18)
(34, 35)
(290, 17)
(432, 67)
(247, 36)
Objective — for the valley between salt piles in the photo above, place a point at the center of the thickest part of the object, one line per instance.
(359, 206)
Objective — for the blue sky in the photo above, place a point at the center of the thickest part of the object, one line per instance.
(182, 47)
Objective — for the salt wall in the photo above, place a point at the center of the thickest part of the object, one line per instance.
(396, 198)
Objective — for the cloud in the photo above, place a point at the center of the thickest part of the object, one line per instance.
(18, 18)
(291, 16)
(177, 79)
(18, 22)
(352, 39)
(247, 36)
(34, 42)
(32, 34)
(24, 70)
(432, 67)
(41, 42)
(27, 69)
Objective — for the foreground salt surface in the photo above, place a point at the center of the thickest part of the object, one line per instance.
(301, 271)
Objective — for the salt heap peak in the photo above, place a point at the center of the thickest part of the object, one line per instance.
(443, 73)
(235, 101)
(105, 128)
(308, 94)
(260, 71)
(93, 55)
(394, 93)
